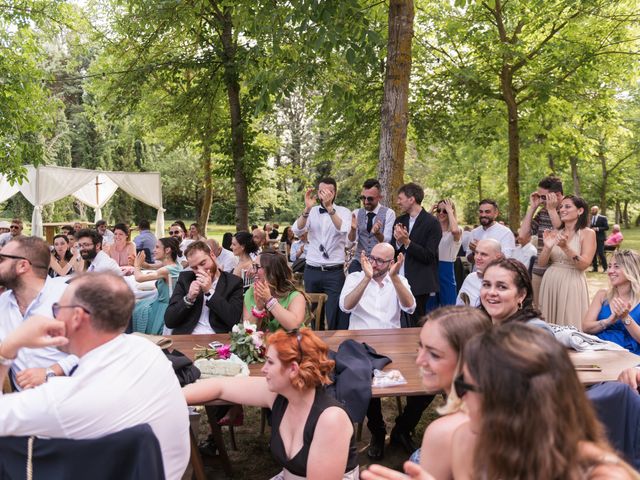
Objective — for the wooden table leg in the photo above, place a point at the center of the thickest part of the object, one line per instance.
(196, 459)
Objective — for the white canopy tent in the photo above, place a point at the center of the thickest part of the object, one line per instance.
(94, 188)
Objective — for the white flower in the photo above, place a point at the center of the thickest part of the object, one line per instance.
(250, 326)
(235, 328)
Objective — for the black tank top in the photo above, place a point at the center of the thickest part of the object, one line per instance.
(298, 464)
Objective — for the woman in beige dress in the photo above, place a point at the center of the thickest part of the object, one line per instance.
(564, 297)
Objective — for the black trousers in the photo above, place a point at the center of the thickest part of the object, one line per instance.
(329, 282)
(599, 254)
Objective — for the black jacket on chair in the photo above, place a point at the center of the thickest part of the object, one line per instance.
(421, 258)
(225, 305)
(131, 454)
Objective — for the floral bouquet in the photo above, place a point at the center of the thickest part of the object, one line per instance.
(247, 342)
(222, 352)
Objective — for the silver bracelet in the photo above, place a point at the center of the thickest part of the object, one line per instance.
(188, 302)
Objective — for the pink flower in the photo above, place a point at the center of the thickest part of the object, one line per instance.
(224, 351)
(249, 331)
(256, 338)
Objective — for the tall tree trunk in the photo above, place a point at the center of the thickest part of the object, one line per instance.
(207, 194)
(625, 214)
(232, 82)
(395, 110)
(480, 196)
(573, 160)
(618, 212)
(605, 174)
(552, 163)
(513, 165)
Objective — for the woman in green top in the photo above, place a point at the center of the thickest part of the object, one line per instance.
(273, 301)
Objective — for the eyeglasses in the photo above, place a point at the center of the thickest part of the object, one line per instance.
(175, 232)
(4, 256)
(368, 199)
(257, 267)
(56, 307)
(378, 261)
(461, 387)
(299, 339)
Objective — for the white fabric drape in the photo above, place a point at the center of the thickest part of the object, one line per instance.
(147, 188)
(45, 185)
(96, 196)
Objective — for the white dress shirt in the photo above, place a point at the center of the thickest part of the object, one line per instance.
(378, 307)
(203, 327)
(122, 383)
(295, 248)
(470, 286)
(227, 261)
(323, 232)
(41, 305)
(498, 232)
(523, 253)
(389, 220)
(104, 263)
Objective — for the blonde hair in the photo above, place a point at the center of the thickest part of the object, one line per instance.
(629, 262)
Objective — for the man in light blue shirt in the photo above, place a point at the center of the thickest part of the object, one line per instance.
(145, 239)
(24, 263)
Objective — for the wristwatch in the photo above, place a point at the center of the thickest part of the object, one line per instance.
(48, 373)
(627, 320)
(4, 361)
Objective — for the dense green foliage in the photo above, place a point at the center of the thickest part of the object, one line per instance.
(146, 85)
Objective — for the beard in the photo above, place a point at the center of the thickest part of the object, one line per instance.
(10, 280)
(486, 221)
(380, 273)
(88, 254)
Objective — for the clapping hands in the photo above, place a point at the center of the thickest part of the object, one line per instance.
(550, 238)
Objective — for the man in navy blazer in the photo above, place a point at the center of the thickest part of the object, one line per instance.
(417, 234)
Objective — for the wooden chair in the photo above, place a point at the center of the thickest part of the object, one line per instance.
(317, 309)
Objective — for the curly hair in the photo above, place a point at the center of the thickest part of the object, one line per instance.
(522, 281)
(534, 411)
(311, 353)
(245, 239)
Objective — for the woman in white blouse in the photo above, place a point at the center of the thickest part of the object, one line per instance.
(445, 212)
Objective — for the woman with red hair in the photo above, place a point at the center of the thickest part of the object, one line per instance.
(311, 433)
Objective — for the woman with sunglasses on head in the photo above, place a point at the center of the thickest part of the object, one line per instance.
(614, 314)
(445, 212)
(273, 301)
(506, 294)
(311, 433)
(564, 296)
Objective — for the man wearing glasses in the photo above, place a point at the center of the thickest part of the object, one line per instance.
(371, 224)
(15, 231)
(327, 225)
(90, 246)
(24, 263)
(376, 298)
(121, 380)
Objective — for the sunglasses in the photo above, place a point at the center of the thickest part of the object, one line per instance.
(56, 307)
(175, 232)
(14, 226)
(4, 256)
(298, 335)
(441, 210)
(324, 252)
(461, 387)
(367, 199)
